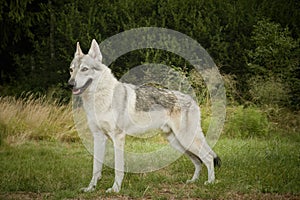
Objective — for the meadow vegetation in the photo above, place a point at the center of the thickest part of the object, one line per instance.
(41, 156)
(35, 118)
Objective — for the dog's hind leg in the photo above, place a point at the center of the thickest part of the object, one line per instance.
(99, 152)
(206, 155)
(189, 133)
(197, 163)
(208, 160)
(196, 160)
(193, 141)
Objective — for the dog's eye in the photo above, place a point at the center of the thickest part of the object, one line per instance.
(84, 69)
(71, 70)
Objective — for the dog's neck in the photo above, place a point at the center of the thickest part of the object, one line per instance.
(100, 99)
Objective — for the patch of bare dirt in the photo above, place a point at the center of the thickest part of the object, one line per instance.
(261, 196)
(24, 196)
(164, 193)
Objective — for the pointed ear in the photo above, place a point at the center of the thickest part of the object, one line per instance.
(78, 50)
(94, 51)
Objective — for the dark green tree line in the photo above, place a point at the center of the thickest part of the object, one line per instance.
(252, 40)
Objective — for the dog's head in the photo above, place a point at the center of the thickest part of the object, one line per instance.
(85, 69)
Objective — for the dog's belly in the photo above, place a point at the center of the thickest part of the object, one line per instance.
(138, 123)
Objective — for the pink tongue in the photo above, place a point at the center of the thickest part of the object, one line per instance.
(76, 91)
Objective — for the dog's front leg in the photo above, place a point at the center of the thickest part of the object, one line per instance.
(99, 152)
(119, 144)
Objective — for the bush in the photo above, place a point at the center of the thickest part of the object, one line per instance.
(268, 91)
(246, 123)
(274, 64)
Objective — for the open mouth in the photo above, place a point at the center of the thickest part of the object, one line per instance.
(78, 91)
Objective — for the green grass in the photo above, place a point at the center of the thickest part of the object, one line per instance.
(41, 157)
(56, 170)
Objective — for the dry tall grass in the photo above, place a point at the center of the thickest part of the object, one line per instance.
(35, 118)
(45, 119)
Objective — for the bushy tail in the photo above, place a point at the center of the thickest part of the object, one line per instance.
(217, 161)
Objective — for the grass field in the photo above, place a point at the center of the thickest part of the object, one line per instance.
(42, 157)
(252, 168)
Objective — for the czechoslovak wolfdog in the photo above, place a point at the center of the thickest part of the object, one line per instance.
(112, 108)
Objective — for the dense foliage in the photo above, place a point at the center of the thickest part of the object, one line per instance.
(255, 42)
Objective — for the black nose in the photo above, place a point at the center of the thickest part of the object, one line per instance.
(71, 83)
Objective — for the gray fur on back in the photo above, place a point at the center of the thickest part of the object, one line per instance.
(147, 97)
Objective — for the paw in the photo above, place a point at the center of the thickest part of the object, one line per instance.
(208, 182)
(112, 190)
(91, 188)
(190, 181)
(211, 182)
(115, 188)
